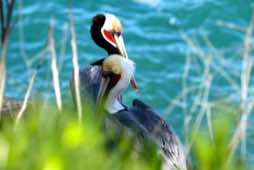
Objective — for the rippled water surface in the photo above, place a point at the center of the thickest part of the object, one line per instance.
(153, 33)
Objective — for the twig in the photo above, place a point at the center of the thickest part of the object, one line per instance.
(240, 134)
(230, 26)
(202, 57)
(207, 85)
(6, 20)
(187, 117)
(2, 19)
(25, 102)
(201, 101)
(2, 76)
(54, 69)
(5, 29)
(178, 98)
(75, 69)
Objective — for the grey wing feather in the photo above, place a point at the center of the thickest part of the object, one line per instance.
(139, 104)
(127, 119)
(90, 78)
(160, 132)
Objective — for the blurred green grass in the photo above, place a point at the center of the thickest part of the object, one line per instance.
(51, 140)
(215, 154)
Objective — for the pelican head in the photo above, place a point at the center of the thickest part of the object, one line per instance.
(106, 31)
(117, 73)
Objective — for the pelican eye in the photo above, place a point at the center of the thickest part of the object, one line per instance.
(117, 33)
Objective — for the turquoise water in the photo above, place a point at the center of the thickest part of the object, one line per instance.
(153, 33)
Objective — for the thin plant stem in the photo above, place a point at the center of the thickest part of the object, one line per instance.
(75, 69)
(54, 69)
(26, 99)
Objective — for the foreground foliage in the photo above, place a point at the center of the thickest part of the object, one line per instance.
(51, 140)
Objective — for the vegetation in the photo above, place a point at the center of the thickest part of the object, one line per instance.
(48, 136)
(50, 139)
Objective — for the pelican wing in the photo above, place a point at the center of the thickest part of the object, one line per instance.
(90, 78)
(160, 132)
(128, 120)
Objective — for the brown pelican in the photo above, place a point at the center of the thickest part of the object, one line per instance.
(106, 31)
(104, 81)
(106, 84)
(116, 73)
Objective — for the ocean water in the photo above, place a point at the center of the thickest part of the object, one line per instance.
(154, 32)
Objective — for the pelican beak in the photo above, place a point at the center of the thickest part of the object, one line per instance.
(120, 44)
(102, 90)
(122, 49)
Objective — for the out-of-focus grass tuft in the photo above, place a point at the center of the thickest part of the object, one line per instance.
(49, 140)
(213, 154)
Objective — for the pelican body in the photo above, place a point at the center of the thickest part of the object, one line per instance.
(104, 81)
(108, 82)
